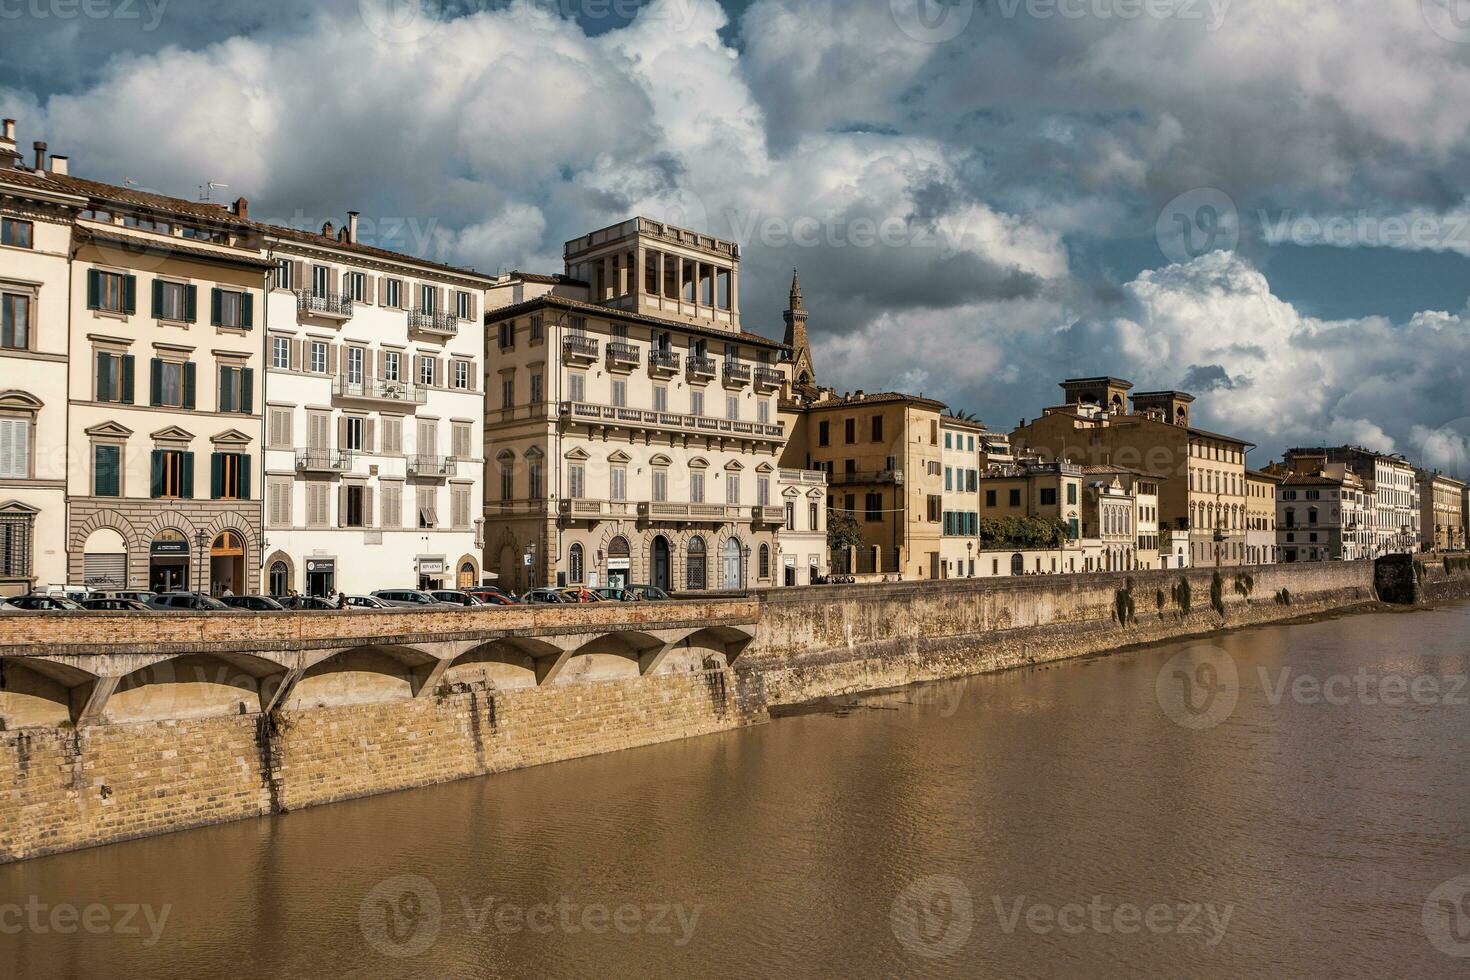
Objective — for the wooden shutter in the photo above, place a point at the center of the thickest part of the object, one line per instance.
(130, 294)
(187, 462)
(299, 275)
(341, 432)
(298, 355)
(367, 507)
(125, 378)
(104, 391)
(369, 431)
(155, 482)
(216, 475)
(214, 306)
(342, 505)
(247, 390)
(191, 303)
(247, 310)
(155, 381)
(157, 298)
(94, 289)
(331, 358)
(382, 363)
(244, 488)
(189, 384)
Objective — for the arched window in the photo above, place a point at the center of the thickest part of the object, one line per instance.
(577, 564)
(696, 566)
(466, 575)
(280, 579)
(765, 561)
(1018, 564)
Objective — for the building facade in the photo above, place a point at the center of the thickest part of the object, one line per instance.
(631, 427)
(373, 422)
(1260, 516)
(1441, 521)
(1389, 482)
(1325, 517)
(801, 546)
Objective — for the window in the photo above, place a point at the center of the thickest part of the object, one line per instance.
(15, 448)
(576, 481)
(948, 479)
(174, 301)
(577, 564)
(507, 333)
(824, 434)
(620, 393)
(171, 384)
(935, 508)
(577, 387)
(696, 402)
(114, 377)
(873, 507)
(1015, 498)
(391, 362)
(355, 358)
(812, 517)
(15, 321)
(732, 406)
(353, 505)
(534, 480)
(356, 283)
(618, 483)
(426, 298)
(284, 278)
(763, 491)
(460, 436)
(318, 357)
(732, 488)
(352, 433)
(459, 506)
(392, 505)
(507, 479)
(16, 233)
(428, 516)
(849, 430)
(536, 388)
(696, 565)
(236, 389)
(1071, 493)
(278, 432)
(427, 371)
(877, 428)
(696, 487)
(660, 484)
(660, 398)
(230, 308)
(989, 498)
(1048, 496)
(321, 281)
(790, 515)
(316, 504)
(111, 292)
(393, 293)
(229, 476)
(281, 353)
(462, 306)
(107, 471)
(16, 531)
(507, 391)
(173, 474)
(538, 327)
(763, 563)
(462, 375)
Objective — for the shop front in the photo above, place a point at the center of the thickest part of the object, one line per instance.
(168, 562)
(321, 576)
(431, 573)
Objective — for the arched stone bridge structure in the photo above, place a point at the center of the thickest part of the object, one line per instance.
(87, 669)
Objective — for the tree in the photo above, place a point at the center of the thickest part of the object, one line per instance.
(843, 531)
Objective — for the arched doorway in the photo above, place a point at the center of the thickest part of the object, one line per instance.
(618, 563)
(279, 579)
(661, 577)
(227, 564)
(731, 565)
(168, 561)
(1018, 564)
(696, 565)
(105, 560)
(466, 574)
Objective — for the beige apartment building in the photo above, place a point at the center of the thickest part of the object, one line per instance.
(1202, 488)
(1441, 522)
(1260, 516)
(1393, 516)
(631, 427)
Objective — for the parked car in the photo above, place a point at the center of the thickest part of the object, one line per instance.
(37, 602)
(578, 594)
(186, 600)
(307, 603)
(545, 595)
(618, 595)
(651, 593)
(144, 596)
(255, 603)
(365, 603)
(408, 598)
(492, 597)
(117, 605)
(76, 593)
(456, 597)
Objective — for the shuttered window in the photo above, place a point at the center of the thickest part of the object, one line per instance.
(172, 474)
(461, 434)
(278, 492)
(15, 448)
(229, 476)
(236, 389)
(107, 471)
(316, 504)
(460, 506)
(427, 507)
(111, 292)
(392, 504)
(279, 432)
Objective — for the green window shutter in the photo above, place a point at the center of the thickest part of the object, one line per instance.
(191, 303)
(187, 462)
(189, 384)
(216, 475)
(226, 396)
(104, 391)
(106, 466)
(214, 304)
(247, 390)
(247, 311)
(155, 487)
(94, 289)
(244, 471)
(125, 376)
(157, 298)
(155, 381)
(130, 294)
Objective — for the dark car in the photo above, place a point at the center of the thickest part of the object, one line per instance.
(408, 598)
(37, 602)
(618, 595)
(187, 600)
(492, 597)
(117, 605)
(308, 603)
(456, 597)
(546, 596)
(651, 593)
(255, 603)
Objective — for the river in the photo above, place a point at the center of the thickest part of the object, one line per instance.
(1279, 801)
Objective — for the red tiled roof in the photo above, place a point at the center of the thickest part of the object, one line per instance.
(612, 313)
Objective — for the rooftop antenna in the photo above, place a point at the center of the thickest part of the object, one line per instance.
(130, 182)
(206, 189)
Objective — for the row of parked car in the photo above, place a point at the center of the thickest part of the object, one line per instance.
(480, 596)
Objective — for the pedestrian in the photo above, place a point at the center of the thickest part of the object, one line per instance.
(341, 600)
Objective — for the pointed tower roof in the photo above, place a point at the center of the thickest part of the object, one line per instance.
(795, 291)
(803, 371)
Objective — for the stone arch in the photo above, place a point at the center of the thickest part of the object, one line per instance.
(505, 663)
(40, 693)
(99, 520)
(459, 570)
(368, 674)
(194, 685)
(285, 559)
(608, 656)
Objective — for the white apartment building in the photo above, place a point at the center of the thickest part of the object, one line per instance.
(801, 545)
(630, 423)
(1325, 516)
(1389, 483)
(373, 417)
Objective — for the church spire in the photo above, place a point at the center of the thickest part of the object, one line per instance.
(802, 370)
(795, 291)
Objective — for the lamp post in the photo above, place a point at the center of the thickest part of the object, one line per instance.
(201, 542)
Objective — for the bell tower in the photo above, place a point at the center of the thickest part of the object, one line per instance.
(802, 370)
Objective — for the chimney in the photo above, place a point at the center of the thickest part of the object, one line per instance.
(10, 130)
(242, 209)
(9, 155)
(40, 156)
(59, 164)
(327, 229)
(352, 226)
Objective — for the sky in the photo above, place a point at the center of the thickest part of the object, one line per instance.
(1263, 202)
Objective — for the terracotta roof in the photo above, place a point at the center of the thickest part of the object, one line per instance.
(875, 398)
(209, 211)
(1263, 475)
(612, 313)
(319, 240)
(148, 246)
(975, 424)
(541, 277)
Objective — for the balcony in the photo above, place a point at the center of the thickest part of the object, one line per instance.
(736, 375)
(637, 418)
(621, 356)
(578, 348)
(427, 321)
(811, 478)
(663, 363)
(323, 461)
(701, 366)
(660, 511)
(329, 306)
(377, 390)
(768, 379)
(841, 479)
(768, 515)
(586, 509)
(430, 467)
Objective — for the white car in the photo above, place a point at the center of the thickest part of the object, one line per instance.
(365, 603)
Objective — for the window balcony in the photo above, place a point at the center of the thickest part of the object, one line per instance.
(430, 467)
(587, 509)
(613, 416)
(663, 363)
(324, 461)
(663, 511)
(427, 321)
(378, 390)
(621, 356)
(813, 478)
(578, 348)
(701, 366)
(768, 515)
(329, 306)
(858, 477)
(736, 375)
(768, 379)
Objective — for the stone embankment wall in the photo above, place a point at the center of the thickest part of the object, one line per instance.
(522, 693)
